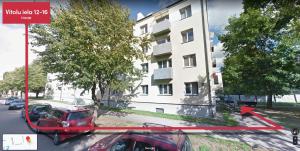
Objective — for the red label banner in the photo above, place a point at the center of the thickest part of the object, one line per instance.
(26, 12)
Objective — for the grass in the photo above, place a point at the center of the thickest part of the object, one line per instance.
(204, 148)
(209, 143)
(228, 121)
(286, 114)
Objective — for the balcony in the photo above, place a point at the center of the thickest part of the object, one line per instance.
(163, 74)
(162, 49)
(161, 27)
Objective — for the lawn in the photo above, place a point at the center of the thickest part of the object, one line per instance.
(227, 119)
(209, 143)
(286, 114)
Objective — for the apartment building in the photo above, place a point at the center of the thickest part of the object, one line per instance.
(177, 78)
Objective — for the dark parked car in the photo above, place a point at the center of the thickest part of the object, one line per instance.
(16, 104)
(35, 111)
(144, 141)
(65, 118)
(10, 99)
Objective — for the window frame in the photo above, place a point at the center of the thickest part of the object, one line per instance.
(192, 61)
(161, 19)
(147, 67)
(165, 89)
(167, 63)
(147, 89)
(187, 35)
(193, 86)
(144, 29)
(184, 11)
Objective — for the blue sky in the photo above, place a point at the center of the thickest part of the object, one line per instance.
(12, 36)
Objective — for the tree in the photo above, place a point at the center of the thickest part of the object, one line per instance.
(15, 80)
(91, 44)
(262, 45)
(37, 78)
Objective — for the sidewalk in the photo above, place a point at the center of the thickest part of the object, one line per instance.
(271, 140)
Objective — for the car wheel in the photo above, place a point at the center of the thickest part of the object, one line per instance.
(37, 130)
(56, 139)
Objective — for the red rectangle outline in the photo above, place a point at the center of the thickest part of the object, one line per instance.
(29, 21)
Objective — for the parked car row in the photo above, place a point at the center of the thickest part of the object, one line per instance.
(44, 115)
(10, 99)
(14, 103)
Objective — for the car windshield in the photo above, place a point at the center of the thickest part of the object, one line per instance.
(78, 115)
(42, 108)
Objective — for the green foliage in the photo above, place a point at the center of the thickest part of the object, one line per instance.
(204, 148)
(262, 45)
(90, 43)
(15, 80)
(37, 78)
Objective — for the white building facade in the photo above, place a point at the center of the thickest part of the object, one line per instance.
(177, 78)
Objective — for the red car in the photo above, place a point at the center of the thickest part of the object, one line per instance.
(65, 118)
(144, 141)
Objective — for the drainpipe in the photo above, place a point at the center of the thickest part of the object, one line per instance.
(206, 54)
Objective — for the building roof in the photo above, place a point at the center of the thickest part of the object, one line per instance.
(168, 6)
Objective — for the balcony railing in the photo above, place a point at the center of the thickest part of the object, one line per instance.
(161, 49)
(161, 27)
(163, 74)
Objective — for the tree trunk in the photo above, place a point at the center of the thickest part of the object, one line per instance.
(274, 98)
(269, 101)
(21, 95)
(108, 97)
(94, 98)
(37, 94)
(295, 98)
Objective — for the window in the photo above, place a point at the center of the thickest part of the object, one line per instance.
(162, 19)
(187, 35)
(212, 48)
(164, 64)
(190, 60)
(144, 29)
(145, 67)
(145, 49)
(165, 89)
(78, 115)
(57, 114)
(163, 40)
(216, 79)
(160, 110)
(191, 88)
(185, 12)
(145, 89)
(121, 145)
(214, 63)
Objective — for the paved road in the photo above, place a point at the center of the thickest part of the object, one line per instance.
(11, 123)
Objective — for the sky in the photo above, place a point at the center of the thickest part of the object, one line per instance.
(12, 47)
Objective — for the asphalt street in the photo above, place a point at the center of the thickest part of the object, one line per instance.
(12, 123)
